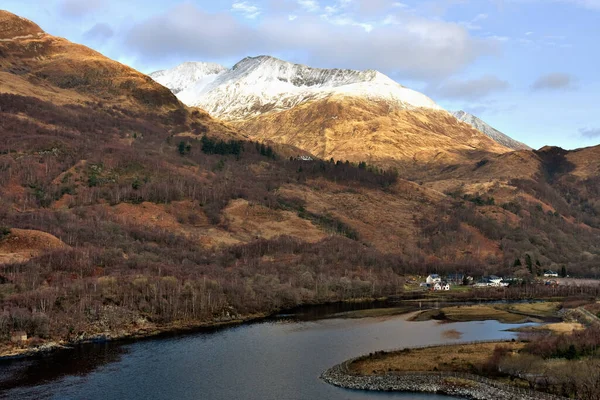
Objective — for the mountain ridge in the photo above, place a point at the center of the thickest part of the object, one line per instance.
(264, 84)
(489, 131)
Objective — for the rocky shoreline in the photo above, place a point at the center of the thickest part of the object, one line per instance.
(451, 384)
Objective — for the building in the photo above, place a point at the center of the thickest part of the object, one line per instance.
(441, 286)
(491, 281)
(550, 274)
(433, 279)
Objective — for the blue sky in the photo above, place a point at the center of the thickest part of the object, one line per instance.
(527, 67)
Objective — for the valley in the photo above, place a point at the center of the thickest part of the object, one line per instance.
(129, 209)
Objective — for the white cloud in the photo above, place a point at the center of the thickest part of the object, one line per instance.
(309, 5)
(247, 9)
(415, 48)
(473, 25)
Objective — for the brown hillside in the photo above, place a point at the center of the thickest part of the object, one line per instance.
(34, 63)
(12, 26)
(23, 244)
(356, 129)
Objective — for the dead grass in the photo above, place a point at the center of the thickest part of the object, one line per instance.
(481, 313)
(508, 314)
(354, 129)
(250, 221)
(23, 244)
(541, 309)
(458, 358)
(559, 328)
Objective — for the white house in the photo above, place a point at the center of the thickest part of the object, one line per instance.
(550, 274)
(491, 281)
(433, 279)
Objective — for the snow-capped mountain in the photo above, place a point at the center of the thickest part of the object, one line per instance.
(489, 131)
(192, 76)
(258, 85)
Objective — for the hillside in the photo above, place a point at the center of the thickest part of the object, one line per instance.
(119, 214)
(358, 129)
(489, 131)
(330, 113)
(36, 64)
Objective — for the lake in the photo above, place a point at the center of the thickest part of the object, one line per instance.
(278, 359)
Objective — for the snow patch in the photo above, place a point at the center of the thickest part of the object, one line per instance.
(489, 131)
(257, 85)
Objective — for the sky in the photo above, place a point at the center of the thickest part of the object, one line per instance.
(527, 67)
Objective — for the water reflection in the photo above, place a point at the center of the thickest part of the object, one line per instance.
(80, 361)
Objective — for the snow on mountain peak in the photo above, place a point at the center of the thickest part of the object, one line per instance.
(187, 75)
(257, 85)
(489, 131)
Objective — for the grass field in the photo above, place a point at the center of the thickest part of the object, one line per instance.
(509, 314)
(558, 328)
(458, 358)
(541, 309)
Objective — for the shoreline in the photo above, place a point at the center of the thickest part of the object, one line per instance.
(130, 336)
(155, 332)
(463, 385)
(9, 352)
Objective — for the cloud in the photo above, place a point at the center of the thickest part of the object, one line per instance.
(309, 5)
(554, 81)
(189, 33)
(411, 47)
(470, 89)
(474, 24)
(79, 8)
(590, 133)
(248, 10)
(99, 31)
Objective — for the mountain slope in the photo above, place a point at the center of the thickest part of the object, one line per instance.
(34, 63)
(358, 129)
(330, 113)
(258, 85)
(489, 131)
(189, 78)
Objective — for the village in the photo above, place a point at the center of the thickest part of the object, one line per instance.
(435, 282)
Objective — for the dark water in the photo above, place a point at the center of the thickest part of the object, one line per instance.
(276, 360)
